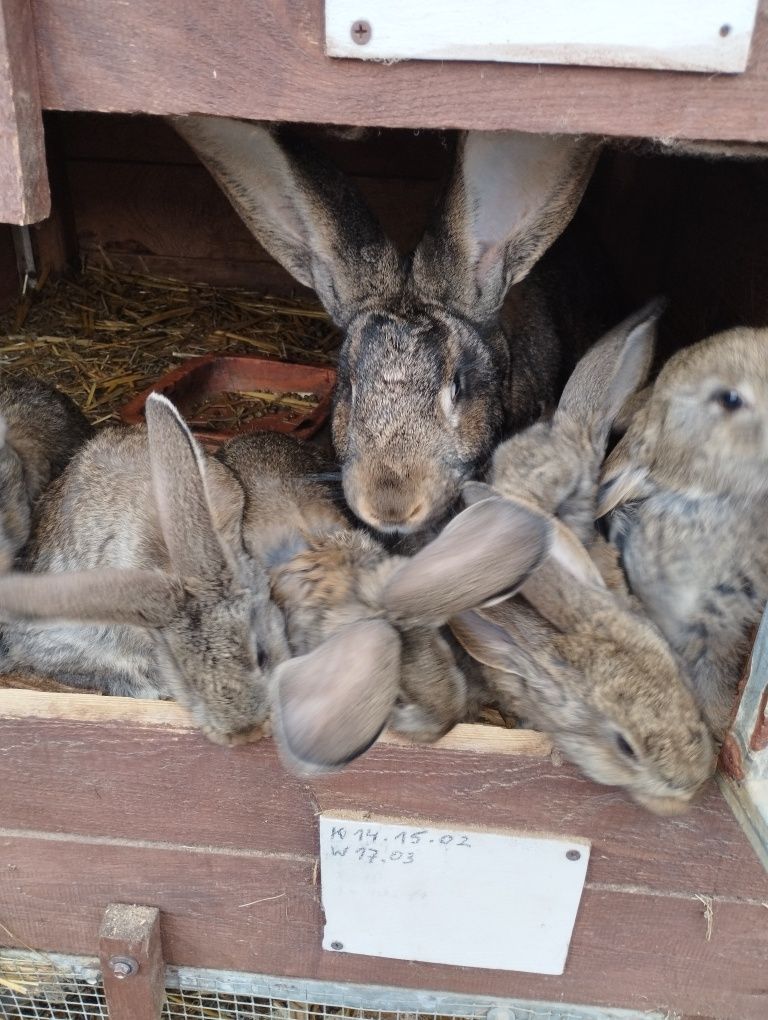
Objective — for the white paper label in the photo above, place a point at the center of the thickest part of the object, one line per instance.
(449, 895)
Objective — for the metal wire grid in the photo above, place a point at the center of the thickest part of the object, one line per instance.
(56, 987)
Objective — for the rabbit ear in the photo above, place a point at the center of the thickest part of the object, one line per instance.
(331, 705)
(568, 588)
(142, 598)
(178, 483)
(610, 372)
(510, 197)
(483, 555)
(302, 210)
(497, 640)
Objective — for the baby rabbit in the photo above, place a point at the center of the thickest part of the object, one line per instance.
(686, 491)
(569, 658)
(139, 572)
(555, 464)
(363, 625)
(40, 430)
(433, 368)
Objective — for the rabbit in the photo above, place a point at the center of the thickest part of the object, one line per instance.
(434, 367)
(555, 464)
(364, 626)
(40, 431)
(571, 659)
(685, 494)
(138, 570)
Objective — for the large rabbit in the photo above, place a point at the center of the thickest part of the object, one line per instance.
(687, 493)
(364, 625)
(433, 368)
(574, 661)
(140, 576)
(40, 430)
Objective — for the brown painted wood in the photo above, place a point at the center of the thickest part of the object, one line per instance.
(132, 963)
(10, 286)
(169, 785)
(261, 913)
(178, 211)
(24, 195)
(265, 59)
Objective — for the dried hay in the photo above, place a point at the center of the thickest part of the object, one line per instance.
(102, 336)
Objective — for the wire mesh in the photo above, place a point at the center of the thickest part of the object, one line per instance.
(38, 986)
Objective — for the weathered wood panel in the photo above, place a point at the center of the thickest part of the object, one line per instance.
(266, 60)
(261, 913)
(24, 195)
(167, 784)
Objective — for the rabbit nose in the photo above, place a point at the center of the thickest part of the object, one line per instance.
(392, 508)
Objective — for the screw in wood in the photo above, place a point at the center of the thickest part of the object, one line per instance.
(573, 855)
(337, 945)
(725, 30)
(123, 966)
(361, 32)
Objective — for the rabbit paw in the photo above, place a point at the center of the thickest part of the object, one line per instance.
(230, 738)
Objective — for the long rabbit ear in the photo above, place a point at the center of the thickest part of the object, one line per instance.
(142, 598)
(506, 638)
(483, 555)
(178, 483)
(568, 588)
(510, 197)
(329, 706)
(301, 209)
(610, 372)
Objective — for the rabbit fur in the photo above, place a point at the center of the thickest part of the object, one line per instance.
(434, 367)
(141, 584)
(686, 494)
(40, 430)
(572, 660)
(363, 625)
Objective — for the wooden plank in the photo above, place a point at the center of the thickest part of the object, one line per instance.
(262, 915)
(24, 195)
(179, 211)
(104, 774)
(689, 35)
(117, 138)
(265, 60)
(132, 962)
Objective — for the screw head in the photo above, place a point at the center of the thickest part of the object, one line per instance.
(573, 855)
(123, 966)
(337, 945)
(360, 32)
(725, 30)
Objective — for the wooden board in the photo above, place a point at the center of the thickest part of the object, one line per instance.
(24, 195)
(265, 59)
(106, 799)
(687, 35)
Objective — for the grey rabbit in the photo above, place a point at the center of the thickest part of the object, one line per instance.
(572, 659)
(434, 367)
(364, 626)
(686, 497)
(40, 431)
(141, 584)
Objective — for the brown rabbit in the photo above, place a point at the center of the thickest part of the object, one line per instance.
(140, 584)
(686, 490)
(365, 626)
(574, 661)
(40, 430)
(433, 368)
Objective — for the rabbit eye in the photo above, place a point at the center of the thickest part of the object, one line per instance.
(456, 387)
(625, 747)
(729, 400)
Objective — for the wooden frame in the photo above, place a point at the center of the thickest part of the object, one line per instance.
(265, 59)
(106, 799)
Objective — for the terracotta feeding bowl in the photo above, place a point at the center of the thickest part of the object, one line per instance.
(201, 380)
